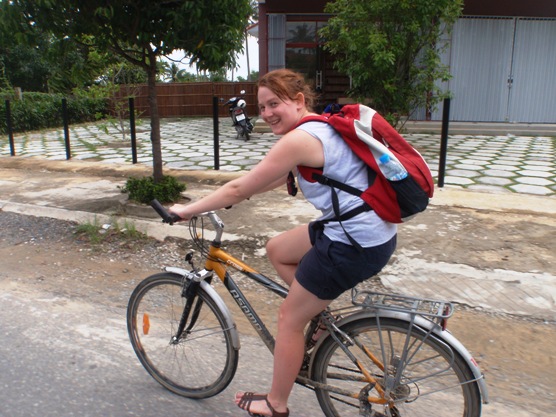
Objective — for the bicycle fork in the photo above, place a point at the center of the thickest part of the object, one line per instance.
(190, 294)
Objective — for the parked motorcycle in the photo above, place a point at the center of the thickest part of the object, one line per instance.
(241, 122)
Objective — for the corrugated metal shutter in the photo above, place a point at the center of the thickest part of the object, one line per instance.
(503, 69)
(276, 41)
(533, 90)
(480, 65)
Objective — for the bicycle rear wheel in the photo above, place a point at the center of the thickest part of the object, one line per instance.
(433, 382)
(203, 362)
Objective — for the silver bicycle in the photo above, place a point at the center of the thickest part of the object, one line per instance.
(382, 355)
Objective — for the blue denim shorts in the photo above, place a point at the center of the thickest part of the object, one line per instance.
(330, 268)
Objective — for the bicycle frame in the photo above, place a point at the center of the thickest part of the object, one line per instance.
(216, 260)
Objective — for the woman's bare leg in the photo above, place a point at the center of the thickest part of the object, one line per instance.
(300, 306)
(286, 250)
(296, 311)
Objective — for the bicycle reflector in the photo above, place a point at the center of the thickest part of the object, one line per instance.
(146, 324)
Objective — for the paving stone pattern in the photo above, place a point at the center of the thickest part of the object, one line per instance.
(509, 164)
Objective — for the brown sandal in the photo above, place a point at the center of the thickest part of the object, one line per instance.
(248, 397)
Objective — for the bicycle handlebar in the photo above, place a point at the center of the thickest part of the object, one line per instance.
(167, 217)
(172, 218)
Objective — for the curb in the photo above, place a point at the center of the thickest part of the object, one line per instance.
(113, 170)
(152, 228)
(456, 197)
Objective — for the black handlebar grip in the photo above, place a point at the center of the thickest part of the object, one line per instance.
(169, 218)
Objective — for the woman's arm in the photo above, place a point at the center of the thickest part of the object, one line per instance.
(294, 148)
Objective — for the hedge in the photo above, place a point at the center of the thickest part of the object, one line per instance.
(41, 111)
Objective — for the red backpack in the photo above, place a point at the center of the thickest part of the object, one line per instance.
(370, 136)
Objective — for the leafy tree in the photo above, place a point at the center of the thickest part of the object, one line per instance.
(122, 72)
(141, 31)
(184, 77)
(74, 65)
(117, 85)
(214, 76)
(37, 61)
(390, 49)
(24, 67)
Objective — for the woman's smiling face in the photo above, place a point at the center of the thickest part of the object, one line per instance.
(281, 115)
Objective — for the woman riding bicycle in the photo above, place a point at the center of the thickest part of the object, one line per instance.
(318, 263)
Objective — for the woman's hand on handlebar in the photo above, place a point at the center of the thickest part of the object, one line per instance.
(167, 217)
(182, 211)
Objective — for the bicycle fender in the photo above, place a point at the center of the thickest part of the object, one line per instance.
(211, 292)
(443, 335)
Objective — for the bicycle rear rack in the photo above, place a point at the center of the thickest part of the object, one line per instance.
(434, 310)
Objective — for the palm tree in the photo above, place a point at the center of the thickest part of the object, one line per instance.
(170, 72)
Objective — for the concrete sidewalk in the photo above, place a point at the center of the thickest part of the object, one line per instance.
(487, 158)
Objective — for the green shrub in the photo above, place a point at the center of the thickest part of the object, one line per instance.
(144, 190)
(42, 111)
(86, 109)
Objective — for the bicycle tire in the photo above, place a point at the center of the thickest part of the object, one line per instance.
(199, 366)
(414, 397)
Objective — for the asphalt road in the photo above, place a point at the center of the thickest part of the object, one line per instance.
(64, 349)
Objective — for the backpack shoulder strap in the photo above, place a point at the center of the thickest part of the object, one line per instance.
(313, 118)
(308, 173)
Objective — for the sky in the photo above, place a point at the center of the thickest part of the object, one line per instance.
(242, 60)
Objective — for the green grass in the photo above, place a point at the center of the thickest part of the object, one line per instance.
(96, 233)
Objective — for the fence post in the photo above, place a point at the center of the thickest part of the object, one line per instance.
(9, 126)
(444, 142)
(216, 134)
(132, 129)
(66, 127)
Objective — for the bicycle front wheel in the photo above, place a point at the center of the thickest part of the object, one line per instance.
(434, 381)
(198, 365)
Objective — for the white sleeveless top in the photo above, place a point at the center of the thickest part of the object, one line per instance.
(342, 164)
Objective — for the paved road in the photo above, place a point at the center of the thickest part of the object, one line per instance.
(64, 349)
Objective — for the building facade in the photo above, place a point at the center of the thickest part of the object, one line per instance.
(501, 54)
